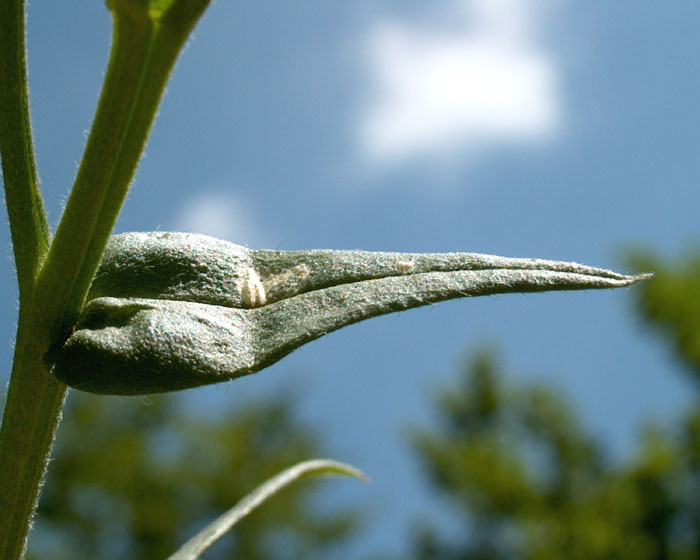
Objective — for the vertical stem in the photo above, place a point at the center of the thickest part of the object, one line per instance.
(28, 224)
(32, 413)
(34, 399)
(145, 48)
(66, 271)
(148, 36)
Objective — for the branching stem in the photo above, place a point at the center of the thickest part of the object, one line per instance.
(53, 280)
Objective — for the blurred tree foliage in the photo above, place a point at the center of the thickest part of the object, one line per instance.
(164, 473)
(527, 482)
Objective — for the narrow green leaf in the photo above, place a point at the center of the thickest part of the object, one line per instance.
(169, 311)
(198, 544)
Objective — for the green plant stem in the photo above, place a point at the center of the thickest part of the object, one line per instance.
(147, 37)
(170, 32)
(145, 47)
(28, 224)
(64, 271)
(34, 398)
(32, 413)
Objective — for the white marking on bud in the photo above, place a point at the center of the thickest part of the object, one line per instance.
(405, 267)
(253, 291)
(296, 274)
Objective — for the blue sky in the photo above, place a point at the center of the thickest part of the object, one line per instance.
(544, 128)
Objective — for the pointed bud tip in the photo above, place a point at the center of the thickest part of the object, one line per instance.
(634, 278)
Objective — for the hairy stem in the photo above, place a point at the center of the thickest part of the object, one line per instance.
(53, 281)
(34, 398)
(30, 231)
(32, 412)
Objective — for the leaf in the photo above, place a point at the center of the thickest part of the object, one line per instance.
(198, 544)
(169, 311)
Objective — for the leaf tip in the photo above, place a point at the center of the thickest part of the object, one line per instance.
(633, 279)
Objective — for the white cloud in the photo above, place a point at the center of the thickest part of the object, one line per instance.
(479, 78)
(223, 214)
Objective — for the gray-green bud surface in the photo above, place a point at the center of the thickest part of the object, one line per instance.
(169, 311)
